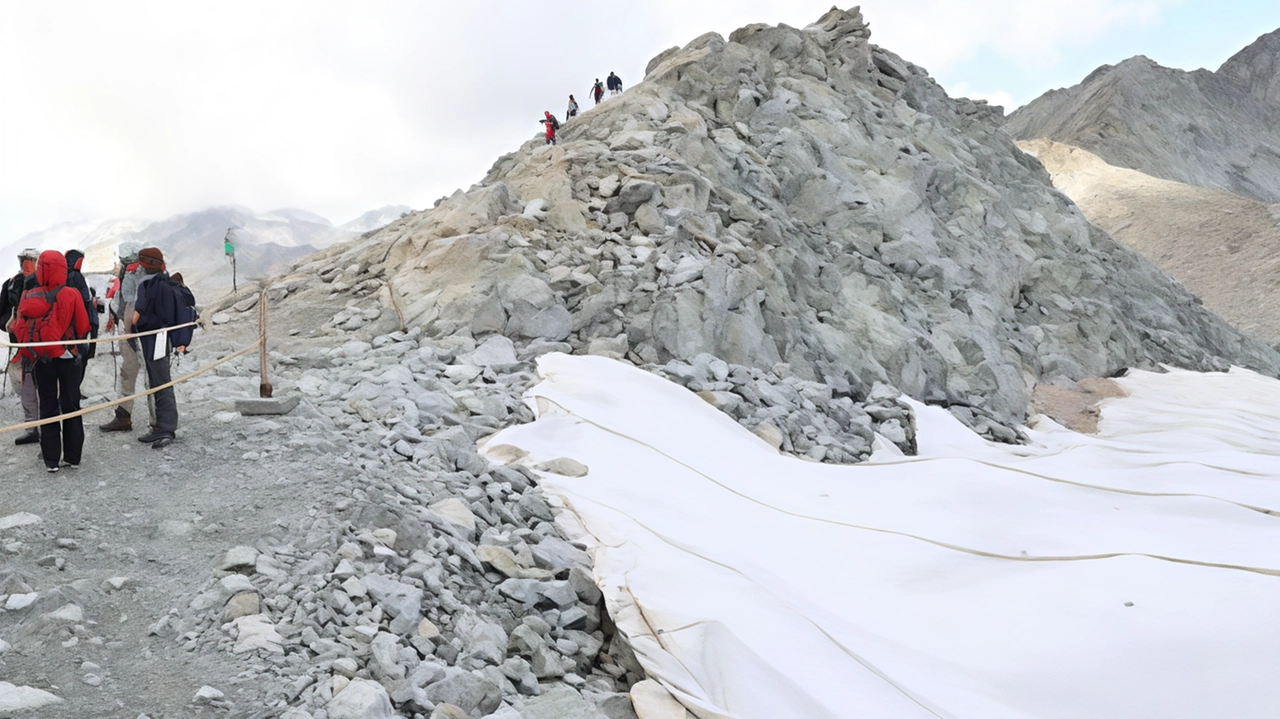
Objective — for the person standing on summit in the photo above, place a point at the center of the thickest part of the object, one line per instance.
(572, 112)
(597, 90)
(54, 311)
(615, 84)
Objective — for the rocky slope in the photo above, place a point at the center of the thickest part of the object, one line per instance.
(1225, 248)
(1212, 129)
(798, 201)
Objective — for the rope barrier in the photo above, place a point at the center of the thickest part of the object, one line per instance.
(122, 400)
(87, 341)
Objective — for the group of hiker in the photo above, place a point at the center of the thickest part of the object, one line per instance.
(613, 83)
(49, 302)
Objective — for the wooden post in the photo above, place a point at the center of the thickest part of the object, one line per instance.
(264, 388)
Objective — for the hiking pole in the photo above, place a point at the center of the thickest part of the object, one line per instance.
(7, 361)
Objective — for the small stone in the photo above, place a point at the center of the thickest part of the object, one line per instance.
(455, 511)
(241, 605)
(360, 699)
(449, 711)
(92, 680)
(428, 630)
(67, 543)
(20, 519)
(563, 466)
(354, 587)
(115, 584)
(769, 433)
(20, 601)
(345, 666)
(257, 632)
(237, 558)
(653, 701)
(207, 695)
(21, 698)
(69, 613)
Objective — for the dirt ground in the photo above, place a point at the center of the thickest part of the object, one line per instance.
(1075, 407)
(160, 518)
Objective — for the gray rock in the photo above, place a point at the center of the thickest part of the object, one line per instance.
(361, 699)
(401, 601)
(496, 350)
(466, 690)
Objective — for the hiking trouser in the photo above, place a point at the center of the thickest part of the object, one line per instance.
(166, 400)
(58, 384)
(30, 402)
(129, 365)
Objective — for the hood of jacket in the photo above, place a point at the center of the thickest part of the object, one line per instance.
(74, 259)
(51, 270)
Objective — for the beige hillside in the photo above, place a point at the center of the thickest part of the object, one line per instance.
(1225, 248)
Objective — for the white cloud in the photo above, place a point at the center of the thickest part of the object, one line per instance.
(148, 108)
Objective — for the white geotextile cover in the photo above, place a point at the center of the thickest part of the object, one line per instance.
(1135, 573)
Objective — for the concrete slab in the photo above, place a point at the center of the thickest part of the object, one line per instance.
(266, 405)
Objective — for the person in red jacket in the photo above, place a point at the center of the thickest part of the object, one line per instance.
(49, 312)
(550, 121)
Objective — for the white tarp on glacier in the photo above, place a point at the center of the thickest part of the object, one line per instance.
(1135, 573)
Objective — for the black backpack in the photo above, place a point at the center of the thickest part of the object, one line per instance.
(555, 124)
(186, 312)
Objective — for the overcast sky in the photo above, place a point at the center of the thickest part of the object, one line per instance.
(148, 109)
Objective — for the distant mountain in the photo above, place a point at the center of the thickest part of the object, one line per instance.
(69, 235)
(375, 219)
(1223, 247)
(193, 241)
(1213, 129)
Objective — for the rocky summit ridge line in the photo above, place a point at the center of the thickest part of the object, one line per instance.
(1212, 129)
(796, 200)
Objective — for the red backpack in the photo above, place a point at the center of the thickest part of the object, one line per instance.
(33, 324)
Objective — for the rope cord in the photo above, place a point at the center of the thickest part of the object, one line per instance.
(87, 341)
(130, 398)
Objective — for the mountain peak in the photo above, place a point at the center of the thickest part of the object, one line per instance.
(1257, 68)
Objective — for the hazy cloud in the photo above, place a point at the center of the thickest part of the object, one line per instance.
(147, 109)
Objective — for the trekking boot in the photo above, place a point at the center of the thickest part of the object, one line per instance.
(29, 438)
(122, 422)
(156, 436)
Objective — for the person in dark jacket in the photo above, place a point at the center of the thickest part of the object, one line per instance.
(75, 278)
(156, 308)
(49, 312)
(19, 369)
(615, 84)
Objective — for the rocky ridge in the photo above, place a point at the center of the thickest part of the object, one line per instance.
(1212, 129)
(795, 197)
(1225, 248)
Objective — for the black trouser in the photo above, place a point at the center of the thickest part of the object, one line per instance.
(58, 386)
(166, 401)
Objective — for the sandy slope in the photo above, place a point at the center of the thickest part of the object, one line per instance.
(1223, 247)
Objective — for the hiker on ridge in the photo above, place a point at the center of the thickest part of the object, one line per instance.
(552, 125)
(52, 311)
(615, 84)
(155, 308)
(597, 90)
(121, 310)
(19, 369)
(572, 112)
